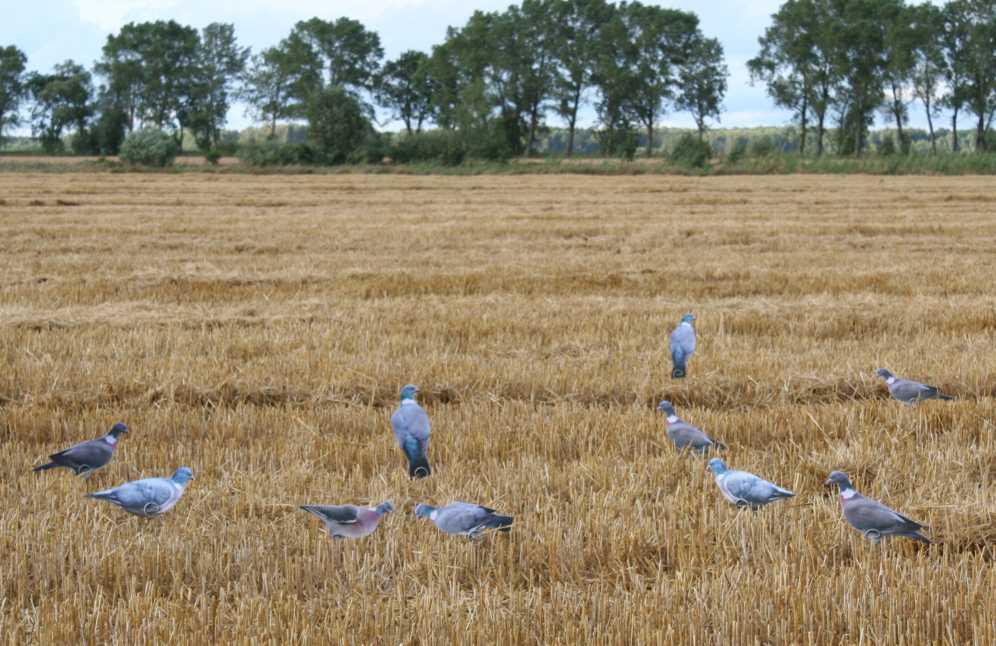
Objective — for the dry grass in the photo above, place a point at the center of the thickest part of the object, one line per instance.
(257, 329)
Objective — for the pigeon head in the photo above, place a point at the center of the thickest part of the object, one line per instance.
(385, 507)
(883, 373)
(688, 318)
(409, 392)
(182, 476)
(840, 479)
(717, 466)
(666, 407)
(118, 429)
(423, 511)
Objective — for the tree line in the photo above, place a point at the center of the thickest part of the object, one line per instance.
(845, 61)
(493, 85)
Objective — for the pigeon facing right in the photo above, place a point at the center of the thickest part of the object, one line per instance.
(909, 392)
(683, 434)
(86, 457)
(350, 521)
(744, 489)
(148, 497)
(464, 518)
(411, 428)
(870, 517)
(682, 346)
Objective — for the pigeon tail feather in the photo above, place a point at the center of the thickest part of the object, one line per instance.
(501, 523)
(418, 464)
(45, 467)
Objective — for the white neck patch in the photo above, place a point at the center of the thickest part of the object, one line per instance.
(890, 380)
(110, 439)
(847, 494)
(408, 401)
(672, 419)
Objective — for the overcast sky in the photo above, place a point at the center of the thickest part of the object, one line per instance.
(51, 31)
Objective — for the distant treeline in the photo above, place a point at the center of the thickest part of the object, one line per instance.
(513, 82)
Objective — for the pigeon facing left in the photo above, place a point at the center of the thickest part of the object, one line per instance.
(909, 392)
(86, 457)
(682, 346)
(149, 497)
(870, 517)
(683, 434)
(464, 518)
(350, 521)
(411, 428)
(745, 489)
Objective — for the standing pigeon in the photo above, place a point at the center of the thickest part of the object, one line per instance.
(86, 457)
(464, 518)
(909, 392)
(411, 427)
(149, 497)
(682, 345)
(683, 434)
(350, 521)
(745, 489)
(870, 517)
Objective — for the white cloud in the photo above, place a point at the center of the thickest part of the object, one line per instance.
(109, 15)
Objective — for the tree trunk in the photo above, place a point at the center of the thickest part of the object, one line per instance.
(955, 145)
(820, 132)
(573, 120)
(273, 126)
(803, 113)
(650, 138)
(897, 112)
(980, 133)
(930, 128)
(533, 125)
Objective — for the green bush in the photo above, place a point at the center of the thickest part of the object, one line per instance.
(444, 147)
(213, 156)
(149, 147)
(274, 153)
(763, 147)
(739, 150)
(887, 147)
(337, 126)
(691, 151)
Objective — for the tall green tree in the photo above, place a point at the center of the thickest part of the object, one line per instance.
(794, 62)
(220, 65)
(641, 58)
(576, 26)
(955, 35)
(342, 53)
(12, 86)
(61, 102)
(980, 60)
(337, 125)
(901, 37)
(702, 82)
(928, 63)
(404, 87)
(153, 67)
(858, 34)
(268, 88)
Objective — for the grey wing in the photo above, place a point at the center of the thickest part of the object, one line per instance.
(92, 453)
(342, 514)
(684, 435)
(683, 337)
(138, 494)
(906, 390)
(459, 517)
(869, 514)
(411, 420)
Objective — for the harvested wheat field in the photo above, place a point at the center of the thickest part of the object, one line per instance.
(258, 329)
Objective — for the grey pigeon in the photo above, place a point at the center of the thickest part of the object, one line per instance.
(350, 521)
(148, 497)
(909, 392)
(464, 518)
(86, 457)
(683, 434)
(870, 517)
(745, 489)
(682, 346)
(411, 428)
